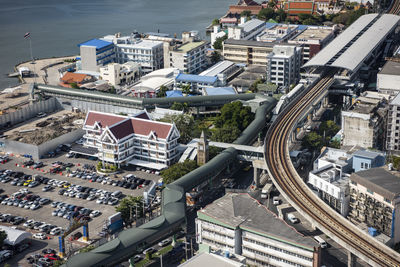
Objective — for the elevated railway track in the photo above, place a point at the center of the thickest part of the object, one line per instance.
(291, 185)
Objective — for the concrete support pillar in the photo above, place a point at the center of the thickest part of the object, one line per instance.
(351, 259)
(61, 247)
(256, 177)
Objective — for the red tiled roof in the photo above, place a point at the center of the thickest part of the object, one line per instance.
(301, 5)
(104, 119)
(123, 126)
(141, 127)
(142, 115)
(71, 77)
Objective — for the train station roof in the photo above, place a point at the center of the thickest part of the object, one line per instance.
(352, 47)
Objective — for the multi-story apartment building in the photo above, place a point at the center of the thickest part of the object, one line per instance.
(246, 30)
(123, 140)
(96, 53)
(312, 40)
(239, 224)
(284, 64)
(189, 57)
(117, 74)
(388, 79)
(331, 179)
(375, 200)
(278, 33)
(393, 126)
(364, 123)
(149, 54)
(247, 52)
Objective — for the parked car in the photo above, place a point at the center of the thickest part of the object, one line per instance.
(150, 250)
(38, 164)
(164, 242)
(95, 213)
(47, 188)
(41, 236)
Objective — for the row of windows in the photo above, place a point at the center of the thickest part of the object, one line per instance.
(217, 243)
(215, 233)
(277, 249)
(271, 257)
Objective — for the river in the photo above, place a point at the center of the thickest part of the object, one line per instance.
(57, 27)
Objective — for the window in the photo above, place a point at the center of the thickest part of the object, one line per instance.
(362, 165)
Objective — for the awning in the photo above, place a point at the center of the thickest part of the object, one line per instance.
(148, 164)
(82, 150)
(14, 236)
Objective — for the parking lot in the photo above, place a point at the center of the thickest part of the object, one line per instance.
(44, 213)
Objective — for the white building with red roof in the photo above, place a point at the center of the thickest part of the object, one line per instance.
(133, 140)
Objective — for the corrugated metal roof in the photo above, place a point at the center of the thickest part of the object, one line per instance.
(220, 91)
(251, 24)
(358, 46)
(99, 44)
(195, 78)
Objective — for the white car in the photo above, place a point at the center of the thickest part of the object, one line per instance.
(56, 231)
(28, 223)
(41, 236)
(95, 213)
(164, 242)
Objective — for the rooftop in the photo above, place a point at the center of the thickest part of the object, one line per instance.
(71, 77)
(396, 100)
(218, 68)
(359, 39)
(251, 24)
(241, 210)
(367, 154)
(210, 259)
(220, 91)
(143, 44)
(248, 43)
(195, 78)
(185, 48)
(391, 68)
(319, 33)
(385, 183)
(99, 44)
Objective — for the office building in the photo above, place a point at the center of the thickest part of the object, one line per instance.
(247, 52)
(283, 67)
(364, 124)
(96, 53)
(388, 79)
(189, 57)
(120, 74)
(374, 200)
(246, 30)
(393, 126)
(239, 224)
(148, 53)
(312, 40)
(137, 140)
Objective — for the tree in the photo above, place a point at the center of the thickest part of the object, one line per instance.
(272, 4)
(215, 57)
(328, 129)
(253, 87)
(185, 125)
(236, 115)
(162, 92)
(280, 15)
(127, 207)
(335, 143)
(186, 89)
(218, 44)
(215, 22)
(312, 141)
(178, 170)
(226, 134)
(74, 85)
(266, 14)
(246, 13)
(180, 106)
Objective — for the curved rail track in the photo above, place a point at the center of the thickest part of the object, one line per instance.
(395, 8)
(290, 184)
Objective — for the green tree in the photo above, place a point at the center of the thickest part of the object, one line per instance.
(162, 92)
(280, 15)
(246, 13)
(178, 170)
(180, 106)
(215, 22)
(215, 57)
(226, 134)
(329, 129)
(74, 85)
(86, 249)
(218, 44)
(312, 141)
(335, 143)
(58, 263)
(127, 207)
(185, 125)
(272, 4)
(266, 14)
(234, 114)
(186, 89)
(253, 87)
(3, 236)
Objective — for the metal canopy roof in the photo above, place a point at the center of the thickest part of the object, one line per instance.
(351, 47)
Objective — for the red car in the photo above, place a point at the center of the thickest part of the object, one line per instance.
(52, 257)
